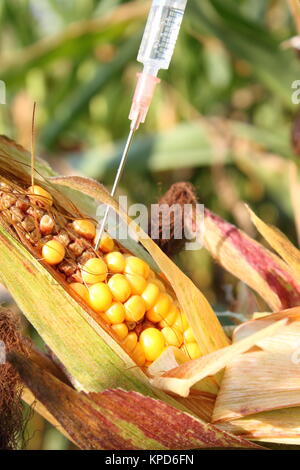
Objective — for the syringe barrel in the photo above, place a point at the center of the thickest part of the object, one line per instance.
(161, 34)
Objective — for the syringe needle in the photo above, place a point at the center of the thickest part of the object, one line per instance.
(155, 53)
(116, 182)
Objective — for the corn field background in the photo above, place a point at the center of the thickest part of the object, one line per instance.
(222, 118)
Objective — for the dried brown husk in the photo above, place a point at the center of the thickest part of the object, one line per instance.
(260, 392)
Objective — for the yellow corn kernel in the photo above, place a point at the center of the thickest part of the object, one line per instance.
(81, 290)
(191, 350)
(106, 244)
(170, 318)
(130, 341)
(85, 228)
(138, 355)
(135, 265)
(116, 313)
(100, 298)
(138, 283)
(173, 337)
(115, 262)
(119, 287)
(94, 271)
(189, 336)
(153, 343)
(159, 284)
(150, 295)
(181, 322)
(40, 196)
(120, 329)
(53, 252)
(160, 309)
(135, 308)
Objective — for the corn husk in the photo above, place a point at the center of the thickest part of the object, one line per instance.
(279, 243)
(181, 379)
(203, 321)
(279, 426)
(118, 419)
(260, 390)
(93, 361)
(271, 277)
(112, 403)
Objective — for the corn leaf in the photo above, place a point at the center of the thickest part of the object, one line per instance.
(76, 39)
(117, 419)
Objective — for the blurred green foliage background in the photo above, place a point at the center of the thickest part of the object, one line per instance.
(221, 118)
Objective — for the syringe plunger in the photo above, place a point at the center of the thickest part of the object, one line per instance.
(155, 52)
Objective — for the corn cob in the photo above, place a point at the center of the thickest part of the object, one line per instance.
(137, 306)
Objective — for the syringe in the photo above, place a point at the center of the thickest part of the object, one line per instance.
(155, 53)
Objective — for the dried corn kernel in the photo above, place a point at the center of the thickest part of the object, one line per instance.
(135, 265)
(120, 329)
(40, 196)
(130, 341)
(53, 252)
(94, 271)
(191, 350)
(153, 343)
(138, 283)
(119, 287)
(135, 308)
(116, 313)
(100, 298)
(160, 309)
(46, 224)
(81, 290)
(173, 337)
(115, 262)
(189, 336)
(85, 228)
(138, 355)
(106, 244)
(150, 295)
(170, 318)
